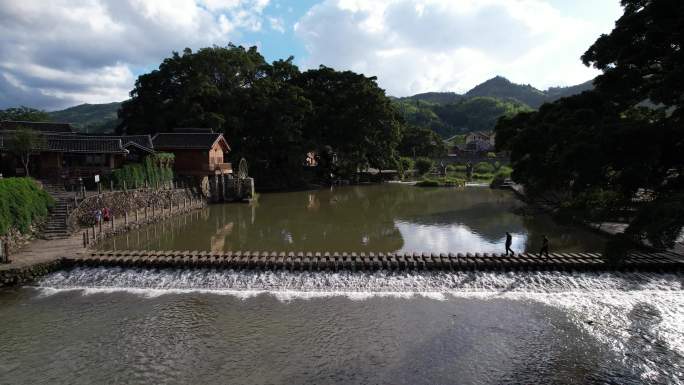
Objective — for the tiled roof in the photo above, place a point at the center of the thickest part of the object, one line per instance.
(81, 144)
(73, 144)
(195, 130)
(180, 141)
(38, 126)
(141, 140)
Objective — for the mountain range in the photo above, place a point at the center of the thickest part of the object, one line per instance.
(447, 113)
(501, 88)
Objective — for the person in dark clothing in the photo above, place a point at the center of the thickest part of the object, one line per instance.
(545, 246)
(509, 241)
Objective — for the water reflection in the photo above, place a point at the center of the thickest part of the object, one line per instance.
(363, 218)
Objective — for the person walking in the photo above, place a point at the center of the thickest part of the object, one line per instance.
(545, 247)
(509, 241)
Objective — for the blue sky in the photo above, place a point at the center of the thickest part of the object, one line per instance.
(66, 52)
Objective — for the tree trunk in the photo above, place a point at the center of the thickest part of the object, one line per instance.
(25, 160)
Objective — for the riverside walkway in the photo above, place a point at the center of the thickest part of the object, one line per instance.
(656, 261)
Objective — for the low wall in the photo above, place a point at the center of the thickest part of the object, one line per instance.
(635, 261)
(120, 202)
(15, 239)
(129, 220)
(26, 275)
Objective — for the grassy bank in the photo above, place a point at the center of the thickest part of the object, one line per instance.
(22, 202)
(441, 182)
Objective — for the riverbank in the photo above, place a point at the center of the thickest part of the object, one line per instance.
(42, 256)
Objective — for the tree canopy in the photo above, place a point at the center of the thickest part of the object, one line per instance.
(615, 151)
(272, 114)
(24, 114)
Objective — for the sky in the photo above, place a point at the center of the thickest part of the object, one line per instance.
(60, 53)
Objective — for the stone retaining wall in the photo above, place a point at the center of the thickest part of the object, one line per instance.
(120, 202)
(15, 239)
(26, 275)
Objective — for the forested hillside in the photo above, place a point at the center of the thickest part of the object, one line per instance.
(448, 113)
(90, 118)
(473, 114)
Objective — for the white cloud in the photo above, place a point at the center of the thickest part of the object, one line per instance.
(436, 45)
(277, 24)
(59, 53)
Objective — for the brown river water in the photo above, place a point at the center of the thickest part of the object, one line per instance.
(207, 326)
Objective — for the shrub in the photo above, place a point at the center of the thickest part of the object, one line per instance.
(483, 168)
(154, 169)
(428, 183)
(501, 176)
(506, 171)
(424, 165)
(404, 165)
(441, 182)
(491, 155)
(21, 203)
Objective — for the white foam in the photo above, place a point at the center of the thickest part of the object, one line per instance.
(599, 303)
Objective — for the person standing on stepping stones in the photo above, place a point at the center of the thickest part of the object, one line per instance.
(509, 241)
(545, 247)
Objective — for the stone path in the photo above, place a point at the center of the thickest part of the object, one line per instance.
(44, 250)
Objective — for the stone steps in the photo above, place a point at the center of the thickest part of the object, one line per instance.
(55, 226)
(309, 261)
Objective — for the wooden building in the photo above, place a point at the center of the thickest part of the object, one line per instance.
(60, 153)
(196, 153)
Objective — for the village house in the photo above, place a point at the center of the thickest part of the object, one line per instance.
(198, 152)
(480, 141)
(61, 153)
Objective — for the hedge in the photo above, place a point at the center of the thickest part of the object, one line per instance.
(22, 201)
(155, 169)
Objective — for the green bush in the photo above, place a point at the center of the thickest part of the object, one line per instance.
(423, 165)
(501, 176)
(154, 169)
(483, 168)
(404, 165)
(21, 203)
(505, 171)
(428, 183)
(441, 182)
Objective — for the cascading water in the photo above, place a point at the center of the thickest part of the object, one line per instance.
(610, 306)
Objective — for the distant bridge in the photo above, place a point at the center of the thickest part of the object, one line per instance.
(309, 261)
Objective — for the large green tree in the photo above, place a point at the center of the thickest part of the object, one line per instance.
(615, 152)
(271, 113)
(353, 117)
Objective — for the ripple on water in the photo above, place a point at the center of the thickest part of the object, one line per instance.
(640, 316)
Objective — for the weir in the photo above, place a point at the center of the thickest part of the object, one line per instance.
(310, 261)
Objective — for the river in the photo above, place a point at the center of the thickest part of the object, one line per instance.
(206, 326)
(377, 218)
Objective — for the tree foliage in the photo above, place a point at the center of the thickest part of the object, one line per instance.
(615, 151)
(271, 113)
(421, 141)
(22, 202)
(470, 114)
(23, 143)
(24, 114)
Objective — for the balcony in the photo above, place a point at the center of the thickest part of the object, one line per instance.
(223, 168)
